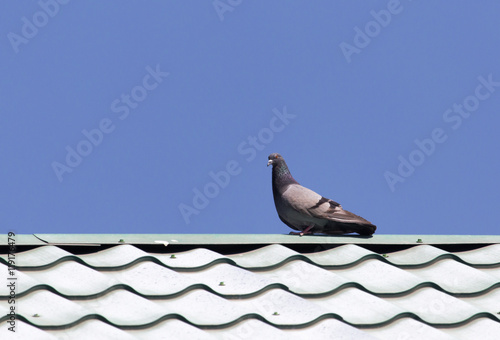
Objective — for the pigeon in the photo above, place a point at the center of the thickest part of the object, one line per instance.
(308, 212)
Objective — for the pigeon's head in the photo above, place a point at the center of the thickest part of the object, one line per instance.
(274, 158)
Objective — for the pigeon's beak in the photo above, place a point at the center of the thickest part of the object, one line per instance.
(269, 162)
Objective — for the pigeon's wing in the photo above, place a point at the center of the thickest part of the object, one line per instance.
(300, 198)
(310, 203)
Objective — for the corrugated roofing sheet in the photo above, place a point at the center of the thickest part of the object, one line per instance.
(108, 289)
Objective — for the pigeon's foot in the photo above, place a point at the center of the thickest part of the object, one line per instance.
(303, 232)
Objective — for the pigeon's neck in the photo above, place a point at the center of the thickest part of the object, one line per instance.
(282, 177)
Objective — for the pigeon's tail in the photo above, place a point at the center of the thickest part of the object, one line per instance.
(366, 229)
(346, 228)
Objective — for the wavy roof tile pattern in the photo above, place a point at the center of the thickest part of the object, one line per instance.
(253, 287)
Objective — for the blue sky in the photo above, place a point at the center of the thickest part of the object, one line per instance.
(158, 116)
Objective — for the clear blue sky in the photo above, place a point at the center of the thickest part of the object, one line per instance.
(117, 115)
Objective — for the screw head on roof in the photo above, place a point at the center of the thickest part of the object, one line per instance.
(385, 255)
(276, 313)
(121, 241)
(173, 256)
(419, 240)
(36, 315)
(222, 283)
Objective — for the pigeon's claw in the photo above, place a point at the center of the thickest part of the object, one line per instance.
(303, 232)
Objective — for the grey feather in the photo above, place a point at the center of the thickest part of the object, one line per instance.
(301, 208)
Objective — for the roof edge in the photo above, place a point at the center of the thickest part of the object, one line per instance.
(227, 239)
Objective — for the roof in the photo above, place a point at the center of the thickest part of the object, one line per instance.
(253, 287)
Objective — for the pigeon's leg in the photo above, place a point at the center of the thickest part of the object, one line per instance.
(307, 230)
(303, 232)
